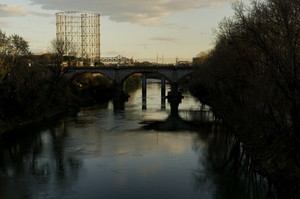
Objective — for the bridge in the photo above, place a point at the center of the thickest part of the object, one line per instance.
(118, 74)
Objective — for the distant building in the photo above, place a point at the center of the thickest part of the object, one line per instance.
(116, 60)
(81, 31)
(183, 63)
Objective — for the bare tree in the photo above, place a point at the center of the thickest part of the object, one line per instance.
(12, 48)
(4, 49)
(19, 47)
(60, 48)
(252, 78)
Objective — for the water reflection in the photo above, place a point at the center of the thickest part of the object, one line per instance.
(170, 124)
(174, 122)
(101, 153)
(36, 160)
(223, 161)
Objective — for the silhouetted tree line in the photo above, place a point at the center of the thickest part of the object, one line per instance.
(252, 80)
(35, 87)
(30, 86)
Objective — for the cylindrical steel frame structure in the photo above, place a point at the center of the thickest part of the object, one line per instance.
(82, 31)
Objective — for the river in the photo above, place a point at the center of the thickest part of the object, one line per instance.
(103, 153)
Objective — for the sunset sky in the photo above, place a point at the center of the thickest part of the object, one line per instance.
(141, 29)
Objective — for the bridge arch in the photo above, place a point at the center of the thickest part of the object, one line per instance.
(182, 77)
(118, 74)
(73, 75)
(129, 74)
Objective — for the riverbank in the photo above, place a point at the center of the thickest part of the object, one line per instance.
(72, 101)
(50, 114)
(271, 156)
(16, 125)
(251, 79)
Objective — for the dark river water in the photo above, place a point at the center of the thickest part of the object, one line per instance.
(103, 153)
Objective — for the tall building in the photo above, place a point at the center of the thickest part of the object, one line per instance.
(81, 31)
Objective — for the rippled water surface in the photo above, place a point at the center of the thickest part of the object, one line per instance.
(102, 153)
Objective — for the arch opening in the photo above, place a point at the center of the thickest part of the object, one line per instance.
(92, 87)
(150, 73)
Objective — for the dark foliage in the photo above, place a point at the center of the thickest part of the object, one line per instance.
(252, 79)
(35, 87)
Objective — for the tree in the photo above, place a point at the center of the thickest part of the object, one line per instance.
(201, 57)
(60, 48)
(19, 47)
(252, 79)
(270, 41)
(12, 49)
(4, 49)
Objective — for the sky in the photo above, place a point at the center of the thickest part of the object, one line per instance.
(150, 30)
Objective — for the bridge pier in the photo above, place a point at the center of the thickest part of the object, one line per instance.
(144, 91)
(120, 97)
(174, 98)
(163, 93)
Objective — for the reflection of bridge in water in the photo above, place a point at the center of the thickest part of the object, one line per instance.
(180, 122)
(118, 74)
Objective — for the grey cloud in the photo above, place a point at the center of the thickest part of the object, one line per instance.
(134, 11)
(12, 10)
(15, 10)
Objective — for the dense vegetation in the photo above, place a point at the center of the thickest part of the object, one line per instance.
(92, 88)
(252, 80)
(34, 87)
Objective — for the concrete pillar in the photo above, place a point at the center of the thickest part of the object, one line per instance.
(174, 88)
(174, 98)
(120, 97)
(144, 91)
(163, 93)
(119, 88)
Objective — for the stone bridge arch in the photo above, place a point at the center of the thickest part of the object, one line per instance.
(71, 75)
(119, 74)
(172, 74)
(128, 74)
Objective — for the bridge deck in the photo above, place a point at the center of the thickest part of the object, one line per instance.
(131, 67)
(119, 73)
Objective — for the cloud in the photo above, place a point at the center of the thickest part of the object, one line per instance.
(143, 12)
(15, 10)
(12, 10)
(167, 39)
